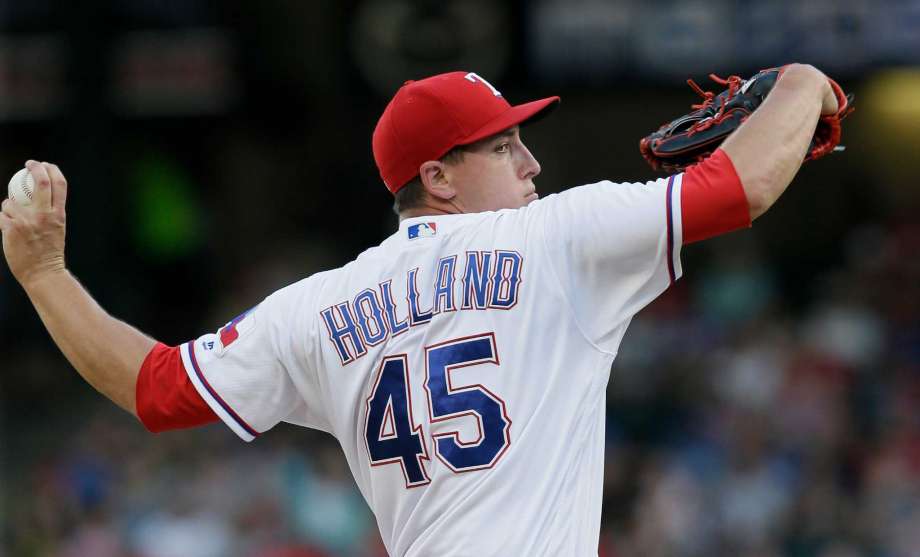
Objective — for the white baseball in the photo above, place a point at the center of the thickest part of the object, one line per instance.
(22, 187)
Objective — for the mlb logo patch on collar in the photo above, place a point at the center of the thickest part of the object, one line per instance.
(423, 230)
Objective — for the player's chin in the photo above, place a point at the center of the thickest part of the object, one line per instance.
(530, 198)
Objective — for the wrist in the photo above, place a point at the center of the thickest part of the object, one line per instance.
(809, 78)
(830, 102)
(802, 76)
(42, 275)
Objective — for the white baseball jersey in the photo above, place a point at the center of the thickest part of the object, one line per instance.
(462, 365)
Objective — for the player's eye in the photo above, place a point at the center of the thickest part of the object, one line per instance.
(503, 147)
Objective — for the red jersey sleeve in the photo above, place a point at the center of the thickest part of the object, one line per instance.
(712, 199)
(165, 397)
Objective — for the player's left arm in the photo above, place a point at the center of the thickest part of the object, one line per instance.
(107, 352)
(754, 165)
(767, 150)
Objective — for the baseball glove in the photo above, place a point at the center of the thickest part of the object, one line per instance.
(693, 137)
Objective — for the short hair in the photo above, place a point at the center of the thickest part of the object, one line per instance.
(412, 195)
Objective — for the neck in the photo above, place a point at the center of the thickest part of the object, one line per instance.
(447, 208)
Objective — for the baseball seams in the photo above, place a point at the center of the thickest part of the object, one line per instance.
(21, 188)
(27, 187)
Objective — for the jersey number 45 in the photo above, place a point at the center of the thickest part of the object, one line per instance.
(391, 433)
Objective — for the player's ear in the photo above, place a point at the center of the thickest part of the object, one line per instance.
(435, 180)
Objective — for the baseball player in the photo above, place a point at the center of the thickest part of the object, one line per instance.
(462, 363)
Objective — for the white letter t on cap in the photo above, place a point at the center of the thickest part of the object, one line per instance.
(473, 76)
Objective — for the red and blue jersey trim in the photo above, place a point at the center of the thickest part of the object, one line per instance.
(670, 211)
(675, 223)
(214, 400)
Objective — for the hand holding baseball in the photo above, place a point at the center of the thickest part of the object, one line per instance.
(33, 234)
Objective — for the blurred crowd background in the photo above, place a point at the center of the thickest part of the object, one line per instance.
(768, 405)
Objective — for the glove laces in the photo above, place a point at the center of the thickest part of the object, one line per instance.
(733, 82)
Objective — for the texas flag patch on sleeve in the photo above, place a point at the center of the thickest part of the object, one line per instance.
(423, 230)
(232, 331)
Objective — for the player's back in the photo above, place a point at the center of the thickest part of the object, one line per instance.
(462, 365)
(466, 399)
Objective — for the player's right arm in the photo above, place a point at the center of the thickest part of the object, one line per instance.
(246, 385)
(768, 149)
(108, 353)
(138, 374)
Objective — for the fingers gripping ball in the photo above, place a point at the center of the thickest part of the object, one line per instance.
(22, 187)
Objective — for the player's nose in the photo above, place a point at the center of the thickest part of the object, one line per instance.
(529, 166)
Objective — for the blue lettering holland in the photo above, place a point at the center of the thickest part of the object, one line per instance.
(489, 280)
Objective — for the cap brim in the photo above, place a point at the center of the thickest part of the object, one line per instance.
(521, 114)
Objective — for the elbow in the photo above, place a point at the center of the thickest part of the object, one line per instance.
(765, 186)
(759, 197)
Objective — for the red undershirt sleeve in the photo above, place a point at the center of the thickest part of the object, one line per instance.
(712, 199)
(165, 397)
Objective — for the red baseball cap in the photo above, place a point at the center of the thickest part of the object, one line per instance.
(427, 118)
